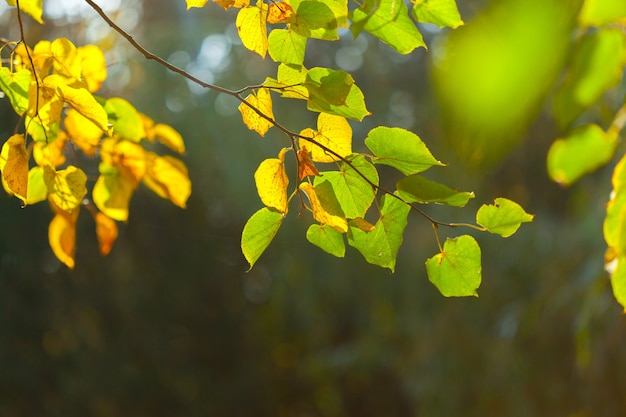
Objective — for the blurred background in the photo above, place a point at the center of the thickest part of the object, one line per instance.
(171, 324)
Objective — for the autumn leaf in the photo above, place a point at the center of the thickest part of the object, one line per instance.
(305, 165)
(62, 235)
(272, 181)
(93, 66)
(67, 62)
(279, 12)
(82, 132)
(66, 188)
(37, 190)
(261, 101)
(334, 133)
(33, 8)
(168, 178)
(44, 104)
(106, 232)
(14, 166)
(325, 207)
(52, 153)
(130, 159)
(112, 193)
(226, 4)
(166, 135)
(198, 3)
(252, 27)
(126, 120)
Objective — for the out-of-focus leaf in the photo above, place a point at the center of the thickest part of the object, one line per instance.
(168, 136)
(417, 189)
(380, 246)
(602, 12)
(503, 217)
(52, 153)
(261, 100)
(62, 235)
(93, 66)
(33, 8)
(168, 178)
(14, 166)
(584, 150)
(456, 271)
(37, 190)
(400, 149)
(443, 13)
(272, 181)
(106, 232)
(334, 133)
(66, 60)
(258, 233)
(112, 193)
(83, 132)
(66, 188)
(126, 121)
(327, 239)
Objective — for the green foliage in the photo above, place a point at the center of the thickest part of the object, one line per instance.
(456, 271)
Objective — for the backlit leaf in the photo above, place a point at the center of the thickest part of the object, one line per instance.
(258, 233)
(168, 136)
(15, 85)
(334, 92)
(417, 189)
(196, 3)
(252, 27)
(168, 178)
(62, 235)
(262, 101)
(597, 65)
(112, 193)
(93, 66)
(32, 8)
(66, 59)
(226, 4)
(327, 239)
(66, 188)
(44, 104)
(125, 119)
(290, 82)
(279, 12)
(287, 46)
(602, 12)
(389, 21)
(272, 181)
(305, 165)
(584, 150)
(325, 207)
(14, 166)
(443, 13)
(314, 19)
(504, 217)
(457, 270)
(37, 190)
(334, 133)
(354, 193)
(52, 153)
(400, 149)
(380, 246)
(83, 132)
(614, 226)
(130, 159)
(106, 232)
(617, 271)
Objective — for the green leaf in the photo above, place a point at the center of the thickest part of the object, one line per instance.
(258, 232)
(584, 150)
(456, 271)
(314, 19)
(597, 65)
(417, 189)
(287, 46)
(602, 12)
(400, 149)
(15, 86)
(442, 13)
(327, 239)
(334, 92)
(125, 119)
(502, 218)
(389, 21)
(380, 246)
(354, 193)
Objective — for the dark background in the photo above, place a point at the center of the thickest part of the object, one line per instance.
(170, 323)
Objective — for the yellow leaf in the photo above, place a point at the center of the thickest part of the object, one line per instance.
(80, 99)
(196, 3)
(334, 133)
(112, 193)
(82, 132)
(62, 235)
(252, 27)
(106, 231)
(226, 4)
(14, 166)
(37, 190)
(130, 159)
(167, 136)
(262, 101)
(272, 181)
(93, 66)
(168, 178)
(66, 188)
(362, 224)
(325, 209)
(44, 103)
(305, 165)
(30, 7)
(66, 59)
(51, 153)
(279, 12)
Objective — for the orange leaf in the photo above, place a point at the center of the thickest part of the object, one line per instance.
(262, 101)
(305, 165)
(62, 235)
(14, 166)
(226, 4)
(279, 12)
(106, 231)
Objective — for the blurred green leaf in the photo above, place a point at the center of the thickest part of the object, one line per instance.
(603, 12)
(456, 271)
(125, 119)
(443, 13)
